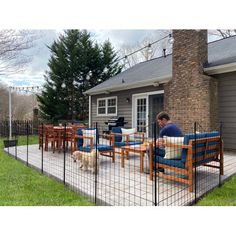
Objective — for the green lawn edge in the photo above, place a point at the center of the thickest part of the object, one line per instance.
(221, 196)
(24, 186)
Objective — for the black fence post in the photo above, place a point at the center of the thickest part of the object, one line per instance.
(155, 162)
(195, 152)
(27, 143)
(96, 145)
(64, 152)
(42, 140)
(221, 128)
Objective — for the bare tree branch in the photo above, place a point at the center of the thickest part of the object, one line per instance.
(13, 45)
(226, 33)
(147, 53)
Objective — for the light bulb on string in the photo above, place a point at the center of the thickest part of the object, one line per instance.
(126, 59)
(149, 48)
(171, 39)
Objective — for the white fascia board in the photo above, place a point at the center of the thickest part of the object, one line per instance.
(220, 69)
(144, 83)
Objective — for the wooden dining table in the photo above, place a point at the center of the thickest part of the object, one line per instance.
(68, 134)
(62, 133)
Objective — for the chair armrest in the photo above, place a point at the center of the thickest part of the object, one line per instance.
(177, 145)
(111, 138)
(140, 134)
(123, 135)
(119, 134)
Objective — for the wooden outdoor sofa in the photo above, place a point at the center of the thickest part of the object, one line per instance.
(206, 149)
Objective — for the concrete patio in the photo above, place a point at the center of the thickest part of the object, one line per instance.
(119, 186)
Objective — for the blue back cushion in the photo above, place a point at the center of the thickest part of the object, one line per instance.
(189, 137)
(80, 140)
(118, 138)
(80, 132)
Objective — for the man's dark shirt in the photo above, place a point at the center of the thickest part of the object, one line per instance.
(171, 130)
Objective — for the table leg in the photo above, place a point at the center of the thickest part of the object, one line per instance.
(122, 158)
(141, 161)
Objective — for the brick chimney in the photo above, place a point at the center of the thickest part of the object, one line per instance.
(191, 95)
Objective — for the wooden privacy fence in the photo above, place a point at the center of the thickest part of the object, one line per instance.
(19, 127)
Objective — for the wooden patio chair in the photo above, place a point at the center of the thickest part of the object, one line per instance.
(50, 137)
(121, 139)
(86, 143)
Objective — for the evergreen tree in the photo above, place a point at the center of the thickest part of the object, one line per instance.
(76, 65)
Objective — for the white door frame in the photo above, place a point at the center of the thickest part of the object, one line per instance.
(134, 106)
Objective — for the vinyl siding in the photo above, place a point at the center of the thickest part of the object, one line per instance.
(227, 108)
(123, 108)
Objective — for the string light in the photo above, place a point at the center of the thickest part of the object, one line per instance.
(25, 89)
(126, 59)
(149, 48)
(170, 40)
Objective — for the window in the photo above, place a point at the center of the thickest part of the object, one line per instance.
(107, 106)
(101, 107)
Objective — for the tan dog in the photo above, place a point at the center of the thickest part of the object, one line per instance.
(87, 160)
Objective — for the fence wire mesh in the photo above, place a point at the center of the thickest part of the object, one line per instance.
(123, 169)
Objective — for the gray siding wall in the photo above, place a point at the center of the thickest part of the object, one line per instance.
(227, 108)
(123, 108)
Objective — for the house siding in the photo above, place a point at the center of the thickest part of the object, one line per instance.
(123, 108)
(227, 108)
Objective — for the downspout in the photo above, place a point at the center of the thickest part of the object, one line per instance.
(90, 118)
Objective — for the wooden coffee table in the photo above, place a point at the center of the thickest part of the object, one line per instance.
(139, 149)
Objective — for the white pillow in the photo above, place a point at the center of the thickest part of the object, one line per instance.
(173, 152)
(129, 132)
(89, 133)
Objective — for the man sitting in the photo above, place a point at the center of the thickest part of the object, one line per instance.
(167, 129)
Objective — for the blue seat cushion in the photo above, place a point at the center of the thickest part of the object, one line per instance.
(121, 144)
(104, 148)
(100, 147)
(117, 130)
(170, 162)
(179, 163)
(134, 142)
(206, 161)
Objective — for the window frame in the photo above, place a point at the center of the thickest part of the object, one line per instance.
(106, 106)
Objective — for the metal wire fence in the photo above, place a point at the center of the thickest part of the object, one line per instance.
(120, 169)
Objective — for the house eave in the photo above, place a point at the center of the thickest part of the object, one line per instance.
(220, 69)
(150, 82)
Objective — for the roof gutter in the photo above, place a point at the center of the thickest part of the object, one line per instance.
(230, 67)
(150, 82)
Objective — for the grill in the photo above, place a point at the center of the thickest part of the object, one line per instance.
(114, 122)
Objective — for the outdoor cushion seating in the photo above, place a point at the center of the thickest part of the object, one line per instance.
(121, 139)
(206, 148)
(90, 141)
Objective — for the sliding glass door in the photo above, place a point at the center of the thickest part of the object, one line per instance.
(145, 109)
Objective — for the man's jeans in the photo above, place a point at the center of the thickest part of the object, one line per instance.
(159, 152)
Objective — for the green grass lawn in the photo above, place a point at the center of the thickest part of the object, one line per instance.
(223, 196)
(24, 186)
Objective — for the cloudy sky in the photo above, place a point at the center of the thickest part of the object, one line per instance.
(93, 14)
(33, 74)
